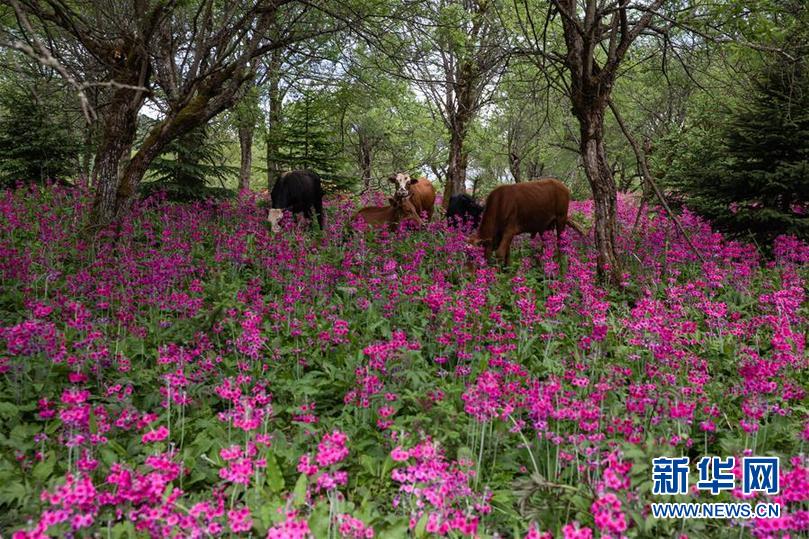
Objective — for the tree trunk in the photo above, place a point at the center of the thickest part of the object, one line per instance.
(365, 161)
(458, 160)
(131, 178)
(120, 127)
(514, 166)
(475, 185)
(246, 146)
(535, 170)
(86, 159)
(272, 139)
(274, 120)
(194, 114)
(602, 183)
(438, 173)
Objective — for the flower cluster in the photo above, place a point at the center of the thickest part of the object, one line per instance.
(438, 490)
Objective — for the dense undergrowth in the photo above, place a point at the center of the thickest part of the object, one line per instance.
(196, 376)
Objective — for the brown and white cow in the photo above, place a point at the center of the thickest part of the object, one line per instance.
(530, 207)
(420, 191)
(398, 211)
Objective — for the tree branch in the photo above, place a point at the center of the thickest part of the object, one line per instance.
(647, 176)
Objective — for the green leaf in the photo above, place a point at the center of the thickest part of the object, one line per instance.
(387, 467)
(108, 456)
(319, 521)
(44, 469)
(8, 410)
(299, 494)
(369, 464)
(124, 529)
(394, 532)
(275, 479)
(12, 493)
(421, 527)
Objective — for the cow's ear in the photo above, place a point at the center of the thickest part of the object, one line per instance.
(413, 180)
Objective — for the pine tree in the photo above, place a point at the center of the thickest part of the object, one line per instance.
(190, 165)
(37, 141)
(756, 178)
(311, 140)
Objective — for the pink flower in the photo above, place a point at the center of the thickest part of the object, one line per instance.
(332, 449)
(399, 454)
(353, 528)
(239, 520)
(534, 533)
(155, 435)
(291, 528)
(306, 466)
(573, 531)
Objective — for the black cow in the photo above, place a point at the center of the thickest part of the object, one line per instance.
(464, 208)
(298, 191)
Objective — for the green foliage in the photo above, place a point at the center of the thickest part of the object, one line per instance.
(37, 142)
(383, 115)
(526, 474)
(748, 169)
(529, 134)
(190, 164)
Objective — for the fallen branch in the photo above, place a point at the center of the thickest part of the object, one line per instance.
(647, 177)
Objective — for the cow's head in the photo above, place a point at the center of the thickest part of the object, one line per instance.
(475, 242)
(274, 218)
(402, 180)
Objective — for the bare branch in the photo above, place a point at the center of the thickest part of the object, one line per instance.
(41, 54)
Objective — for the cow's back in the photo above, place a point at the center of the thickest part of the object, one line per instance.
(541, 202)
(422, 195)
(527, 207)
(374, 215)
(297, 189)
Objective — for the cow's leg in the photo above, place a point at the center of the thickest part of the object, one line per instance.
(504, 249)
(319, 212)
(487, 250)
(307, 212)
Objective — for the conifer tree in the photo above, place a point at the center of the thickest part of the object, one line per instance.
(756, 178)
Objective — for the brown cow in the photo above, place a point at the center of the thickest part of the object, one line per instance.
(420, 191)
(380, 216)
(513, 209)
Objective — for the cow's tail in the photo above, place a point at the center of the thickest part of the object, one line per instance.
(575, 226)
